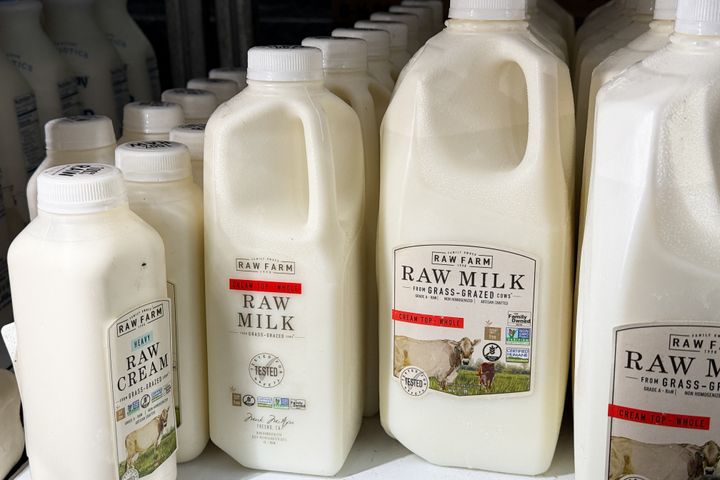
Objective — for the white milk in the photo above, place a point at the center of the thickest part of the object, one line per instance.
(28, 47)
(399, 56)
(115, 338)
(161, 191)
(20, 143)
(197, 105)
(378, 48)
(648, 307)
(410, 20)
(237, 75)
(436, 6)
(87, 139)
(562, 16)
(548, 30)
(192, 135)
(345, 65)
(426, 29)
(12, 440)
(133, 47)
(475, 251)
(223, 89)
(101, 73)
(150, 120)
(282, 268)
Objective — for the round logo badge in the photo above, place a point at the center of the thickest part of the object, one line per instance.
(414, 381)
(145, 401)
(266, 370)
(492, 352)
(248, 400)
(131, 474)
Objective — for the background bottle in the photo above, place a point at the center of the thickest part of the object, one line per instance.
(192, 135)
(197, 105)
(150, 120)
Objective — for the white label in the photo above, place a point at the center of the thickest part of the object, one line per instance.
(140, 346)
(121, 91)
(664, 412)
(463, 319)
(69, 98)
(154, 74)
(29, 128)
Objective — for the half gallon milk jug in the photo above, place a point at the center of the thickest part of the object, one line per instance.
(101, 73)
(562, 17)
(425, 17)
(197, 105)
(28, 47)
(436, 7)
(412, 22)
(161, 191)
(20, 142)
(378, 47)
(648, 337)
(399, 55)
(133, 47)
(237, 75)
(600, 18)
(150, 120)
(475, 255)
(223, 89)
(109, 347)
(547, 29)
(192, 135)
(12, 440)
(345, 65)
(283, 224)
(85, 138)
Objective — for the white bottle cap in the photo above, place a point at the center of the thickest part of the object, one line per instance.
(152, 117)
(340, 53)
(153, 162)
(223, 89)
(192, 135)
(698, 17)
(665, 9)
(645, 7)
(195, 103)
(378, 42)
(82, 132)
(398, 31)
(80, 188)
(237, 75)
(282, 63)
(488, 9)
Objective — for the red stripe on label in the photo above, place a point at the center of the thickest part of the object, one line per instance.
(662, 419)
(430, 320)
(264, 286)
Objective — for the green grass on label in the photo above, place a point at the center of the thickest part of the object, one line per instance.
(466, 384)
(152, 458)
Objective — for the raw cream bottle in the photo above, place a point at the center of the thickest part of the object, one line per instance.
(399, 56)
(378, 48)
(85, 138)
(223, 89)
(237, 75)
(146, 121)
(197, 105)
(410, 20)
(283, 223)
(192, 135)
(115, 338)
(161, 192)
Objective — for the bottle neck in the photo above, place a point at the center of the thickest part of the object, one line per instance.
(710, 43)
(478, 26)
(662, 26)
(105, 155)
(268, 87)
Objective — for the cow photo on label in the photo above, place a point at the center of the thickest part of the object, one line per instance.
(441, 359)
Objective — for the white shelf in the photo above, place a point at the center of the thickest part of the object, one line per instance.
(374, 456)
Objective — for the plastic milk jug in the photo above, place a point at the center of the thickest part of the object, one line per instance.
(117, 340)
(101, 73)
(399, 55)
(601, 17)
(85, 138)
(192, 135)
(437, 8)
(648, 309)
(475, 302)
(20, 143)
(378, 47)
(237, 75)
(425, 17)
(133, 47)
(161, 191)
(223, 89)
(150, 120)
(412, 21)
(345, 65)
(282, 268)
(547, 29)
(28, 47)
(562, 17)
(198, 105)
(12, 440)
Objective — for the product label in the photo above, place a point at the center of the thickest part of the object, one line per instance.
(140, 347)
(176, 361)
(121, 91)
(29, 128)
(664, 411)
(463, 320)
(69, 98)
(154, 74)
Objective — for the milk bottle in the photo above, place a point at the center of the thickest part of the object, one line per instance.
(412, 21)
(223, 89)
(197, 105)
(475, 252)
(399, 56)
(345, 65)
(161, 191)
(547, 30)
(192, 135)
(648, 321)
(237, 75)
(425, 17)
(12, 440)
(109, 347)
(282, 268)
(437, 8)
(150, 120)
(101, 73)
(378, 48)
(28, 47)
(562, 16)
(20, 142)
(85, 138)
(133, 47)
